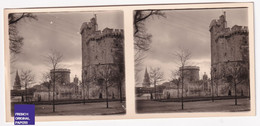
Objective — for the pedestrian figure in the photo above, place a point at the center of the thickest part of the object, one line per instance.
(168, 95)
(242, 93)
(229, 92)
(22, 99)
(113, 96)
(100, 95)
(151, 95)
(39, 98)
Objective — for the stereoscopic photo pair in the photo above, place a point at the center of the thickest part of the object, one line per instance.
(120, 62)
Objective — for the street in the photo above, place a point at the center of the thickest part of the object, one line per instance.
(147, 106)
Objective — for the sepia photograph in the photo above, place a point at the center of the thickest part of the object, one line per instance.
(130, 62)
(192, 60)
(67, 63)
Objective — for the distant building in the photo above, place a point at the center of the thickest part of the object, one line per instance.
(63, 87)
(17, 82)
(146, 81)
(229, 49)
(76, 80)
(102, 59)
(193, 86)
(206, 83)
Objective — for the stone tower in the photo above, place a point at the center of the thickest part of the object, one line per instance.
(62, 76)
(190, 73)
(229, 46)
(17, 82)
(102, 59)
(146, 81)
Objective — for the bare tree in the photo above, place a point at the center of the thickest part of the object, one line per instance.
(46, 79)
(175, 78)
(182, 56)
(236, 73)
(156, 76)
(89, 76)
(54, 58)
(105, 78)
(27, 78)
(142, 39)
(16, 41)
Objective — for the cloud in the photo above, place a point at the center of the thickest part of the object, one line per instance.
(59, 31)
(186, 29)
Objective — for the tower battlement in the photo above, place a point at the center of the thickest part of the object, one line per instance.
(107, 32)
(90, 32)
(220, 29)
(190, 68)
(235, 30)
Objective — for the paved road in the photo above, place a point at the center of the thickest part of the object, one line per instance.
(98, 108)
(146, 106)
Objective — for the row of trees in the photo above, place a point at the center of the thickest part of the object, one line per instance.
(234, 74)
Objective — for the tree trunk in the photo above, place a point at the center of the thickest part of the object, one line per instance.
(182, 106)
(217, 87)
(235, 92)
(26, 98)
(53, 97)
(49, 94)
(178, 92)
(83, 92)
(155, 97)
(107, 94)
(212, 89)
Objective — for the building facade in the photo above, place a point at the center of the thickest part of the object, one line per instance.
(229, 57)
(102, 61)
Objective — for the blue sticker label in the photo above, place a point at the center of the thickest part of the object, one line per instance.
(24, 114)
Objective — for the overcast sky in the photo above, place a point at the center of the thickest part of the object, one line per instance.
(186, 29)
(59, 31)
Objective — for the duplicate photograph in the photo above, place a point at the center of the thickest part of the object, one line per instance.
(192, 60)
(67, 63)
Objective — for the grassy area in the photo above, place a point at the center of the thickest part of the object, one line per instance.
(94, 108)
(198, 106)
